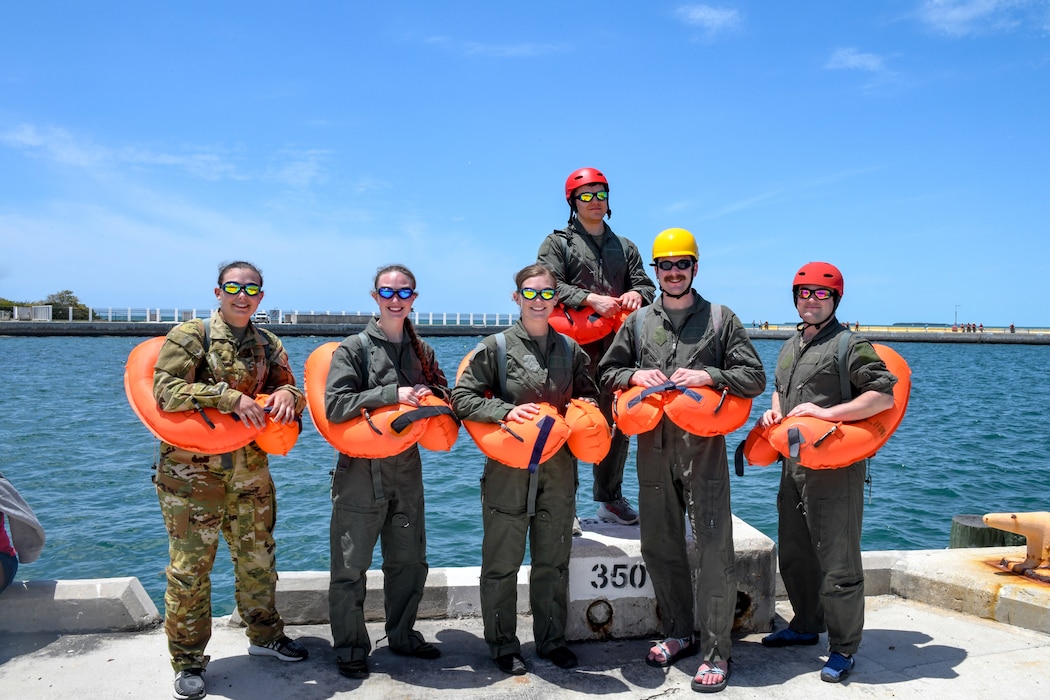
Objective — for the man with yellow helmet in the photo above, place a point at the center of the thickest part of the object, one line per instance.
(685, 339)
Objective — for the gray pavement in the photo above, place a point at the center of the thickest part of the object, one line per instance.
(910, 650)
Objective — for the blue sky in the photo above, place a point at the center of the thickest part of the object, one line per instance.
(906, 141)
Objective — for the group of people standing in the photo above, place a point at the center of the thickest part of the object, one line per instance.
(678, 336)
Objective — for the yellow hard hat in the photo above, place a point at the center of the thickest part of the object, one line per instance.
(673, 242)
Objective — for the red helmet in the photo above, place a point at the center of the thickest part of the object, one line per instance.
(581, 177)
(821, 274)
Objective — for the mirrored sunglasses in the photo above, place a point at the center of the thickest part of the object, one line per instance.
(530, 293)
(233, 289)
(389, 292)
(820, 294)
(588, 196)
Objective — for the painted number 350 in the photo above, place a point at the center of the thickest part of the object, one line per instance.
(620, 576)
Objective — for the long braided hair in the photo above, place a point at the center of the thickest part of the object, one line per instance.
(429, 375)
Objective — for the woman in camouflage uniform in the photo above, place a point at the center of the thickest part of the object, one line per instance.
(222, 363)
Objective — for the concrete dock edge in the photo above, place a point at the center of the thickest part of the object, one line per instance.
(605, 601)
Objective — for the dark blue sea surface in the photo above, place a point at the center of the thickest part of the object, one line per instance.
(973, 441)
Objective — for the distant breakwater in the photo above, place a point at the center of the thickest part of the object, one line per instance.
(1021, 336)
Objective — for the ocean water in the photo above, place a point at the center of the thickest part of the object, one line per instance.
(974, 440)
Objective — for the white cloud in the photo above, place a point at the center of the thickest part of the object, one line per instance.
(712, 20)
(476, 48)
(970, 17)
(852, 59)
(297, 168)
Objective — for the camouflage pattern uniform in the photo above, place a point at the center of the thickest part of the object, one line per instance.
(202, 495)
(552, 371)
(609, 265)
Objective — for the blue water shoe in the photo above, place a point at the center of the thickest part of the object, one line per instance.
(837, 668)
(788, 637)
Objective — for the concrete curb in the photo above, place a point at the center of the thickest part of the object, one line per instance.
(967, 581)
(89, 605)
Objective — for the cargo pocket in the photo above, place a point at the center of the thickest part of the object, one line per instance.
(505, 489)
(830, 517)
(405, 540)
(174, 497)
(252, 515)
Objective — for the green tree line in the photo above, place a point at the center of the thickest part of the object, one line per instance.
(60, 303)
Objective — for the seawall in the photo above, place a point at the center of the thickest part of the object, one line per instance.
(610, 595)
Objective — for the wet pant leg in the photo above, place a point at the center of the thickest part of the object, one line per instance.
(550, 540)
(357, 519)
(404, 548)
(712, 523)
(504, 494)
(662, 507)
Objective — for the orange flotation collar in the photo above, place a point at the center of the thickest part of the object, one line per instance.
(442, 429)
(589, 434)
(205, 430)
(639, 409)
(381, 432)
(584, 325)
(703, 411)
(820, 444)
(521, 445)
(583, 427)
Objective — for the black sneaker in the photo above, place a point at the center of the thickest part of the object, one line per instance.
(512, 664)
(562, 657)
(189, 685)
(282, 648)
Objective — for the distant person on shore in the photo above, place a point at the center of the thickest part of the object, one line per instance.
(598, 269)
(222, 363)
(27, 537)
(505, 382)
(821, 510)
(692, 342)
(380, 499)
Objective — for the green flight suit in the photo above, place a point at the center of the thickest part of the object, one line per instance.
(612, 267)
(680, 473)
(376, 499)
(822, 510)
(202, 496)
(551, 371)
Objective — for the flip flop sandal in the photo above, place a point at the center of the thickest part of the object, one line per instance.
(713, 687)
(670, 659)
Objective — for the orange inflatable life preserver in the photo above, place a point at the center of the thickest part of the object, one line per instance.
(706, 411)
(442, 428)
(584, 325)
(821, 444)
(589, 434)
(521, 445)
(205, 431)
(701, 411)
(638, 409)
(276, 438)
(369, 435)
(514, 444)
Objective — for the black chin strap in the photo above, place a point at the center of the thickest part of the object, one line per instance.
(802, 325)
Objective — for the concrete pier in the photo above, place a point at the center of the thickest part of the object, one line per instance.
(944, 623)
